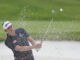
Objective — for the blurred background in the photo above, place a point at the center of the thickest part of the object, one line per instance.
(35, 15)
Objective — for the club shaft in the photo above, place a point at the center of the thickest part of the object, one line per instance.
(43, 38)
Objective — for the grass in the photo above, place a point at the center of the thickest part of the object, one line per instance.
(39, 9)
(35, 15)
(59, 30)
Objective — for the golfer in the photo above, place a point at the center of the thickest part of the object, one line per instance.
(18, 41)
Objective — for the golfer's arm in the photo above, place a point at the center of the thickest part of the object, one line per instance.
(23, 48)
(32, 41)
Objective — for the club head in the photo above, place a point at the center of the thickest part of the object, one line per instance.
(53, 12)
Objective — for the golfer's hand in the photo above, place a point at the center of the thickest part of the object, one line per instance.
(38, 45)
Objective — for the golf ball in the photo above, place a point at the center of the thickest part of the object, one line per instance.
(61, 9)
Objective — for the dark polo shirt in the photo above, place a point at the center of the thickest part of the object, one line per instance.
(21, 40)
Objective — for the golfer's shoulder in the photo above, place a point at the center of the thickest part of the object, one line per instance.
(20, 29)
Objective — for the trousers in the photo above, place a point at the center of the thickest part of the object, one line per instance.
(29, 57)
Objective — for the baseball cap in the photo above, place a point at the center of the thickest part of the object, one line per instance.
(6, 25)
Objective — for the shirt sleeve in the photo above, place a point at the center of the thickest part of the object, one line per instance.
(11, 44)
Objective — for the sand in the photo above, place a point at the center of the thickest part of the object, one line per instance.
(51, 50)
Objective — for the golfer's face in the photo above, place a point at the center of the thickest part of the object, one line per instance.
(9, 29)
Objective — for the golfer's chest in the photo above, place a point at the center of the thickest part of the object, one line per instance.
(21, 40)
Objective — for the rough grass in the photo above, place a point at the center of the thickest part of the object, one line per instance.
(59, 30)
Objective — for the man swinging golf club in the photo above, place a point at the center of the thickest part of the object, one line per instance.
(17, 41)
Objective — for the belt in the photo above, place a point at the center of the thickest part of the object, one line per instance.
(22, 58)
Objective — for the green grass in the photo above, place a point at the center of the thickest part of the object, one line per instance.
(39, 9)
(59, 30)
(35, 15)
